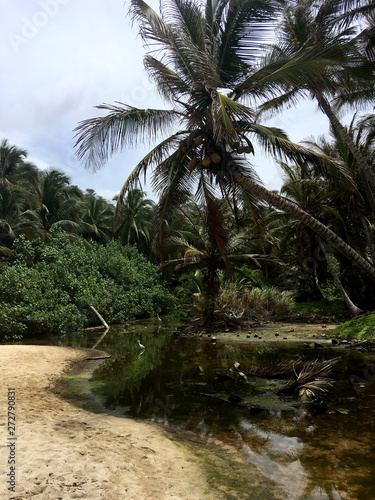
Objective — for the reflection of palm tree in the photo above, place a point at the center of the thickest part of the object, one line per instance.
(207, 74)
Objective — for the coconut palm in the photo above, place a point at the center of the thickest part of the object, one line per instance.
(13, 165)
(202, 58)
(96, 217)
(326, 26)
(133, 222)
(191, 247)
(56, 202)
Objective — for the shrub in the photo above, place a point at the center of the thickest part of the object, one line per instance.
(48, 289)
(260, 302)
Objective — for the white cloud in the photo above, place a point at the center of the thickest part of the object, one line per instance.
(60, 58)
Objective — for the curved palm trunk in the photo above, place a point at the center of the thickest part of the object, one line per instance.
(297, 212)
(366, 173)
(353, 309)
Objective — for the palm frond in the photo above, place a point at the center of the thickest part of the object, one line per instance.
(155, 157)
(245, 23)
(124, 126)
(170, 85)
(185, 16)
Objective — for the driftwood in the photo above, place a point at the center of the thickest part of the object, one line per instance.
(99, 316)
(98, 357)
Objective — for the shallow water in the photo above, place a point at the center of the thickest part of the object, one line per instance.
(181, 382)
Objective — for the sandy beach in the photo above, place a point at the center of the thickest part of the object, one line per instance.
(63, 452)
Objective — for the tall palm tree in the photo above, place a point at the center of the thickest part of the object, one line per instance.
(326, 27)
(202, 57)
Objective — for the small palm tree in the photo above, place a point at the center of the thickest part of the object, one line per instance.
(202, 57)
(191, 247)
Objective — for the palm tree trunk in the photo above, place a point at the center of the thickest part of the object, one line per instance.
(320, 229)
(365, 171)
(370, 248)
(353, 309)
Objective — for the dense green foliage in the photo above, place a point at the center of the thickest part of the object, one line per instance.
(47, 289)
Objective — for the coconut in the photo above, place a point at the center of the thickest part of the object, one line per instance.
(198, 140)
(206, 162)
(183, 146)
(216, 158)
(192, 164)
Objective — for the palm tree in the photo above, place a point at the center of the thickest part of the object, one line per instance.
(326, 26)
(133, 222)
(316, 194)
(96, 217)
(202, 58)
(13, 165)
(191, 247)
(56, 202)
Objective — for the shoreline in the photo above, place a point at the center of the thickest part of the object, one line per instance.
(64, 452)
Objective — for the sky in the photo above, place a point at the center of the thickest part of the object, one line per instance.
(61, 58)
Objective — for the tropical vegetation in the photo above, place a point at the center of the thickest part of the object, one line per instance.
(222, 240)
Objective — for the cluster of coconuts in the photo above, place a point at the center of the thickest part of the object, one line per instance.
(211, 156)
(240, 149)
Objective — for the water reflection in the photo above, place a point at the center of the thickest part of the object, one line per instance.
(186, 383)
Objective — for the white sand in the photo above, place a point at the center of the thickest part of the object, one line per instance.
(63, 452)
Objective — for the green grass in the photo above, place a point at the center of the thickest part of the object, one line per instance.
(357, 328)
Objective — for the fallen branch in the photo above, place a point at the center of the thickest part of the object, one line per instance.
(99, 316)
(98, 357)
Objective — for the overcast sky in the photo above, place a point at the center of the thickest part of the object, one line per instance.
(60, 58)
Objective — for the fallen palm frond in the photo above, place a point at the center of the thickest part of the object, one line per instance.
(275, 370)
(315, 390)
(313, 376)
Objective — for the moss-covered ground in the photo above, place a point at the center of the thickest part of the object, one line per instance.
(362, 328)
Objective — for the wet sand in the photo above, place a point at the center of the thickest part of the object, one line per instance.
(63, 452)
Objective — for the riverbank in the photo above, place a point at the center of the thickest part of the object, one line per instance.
(63, 452)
